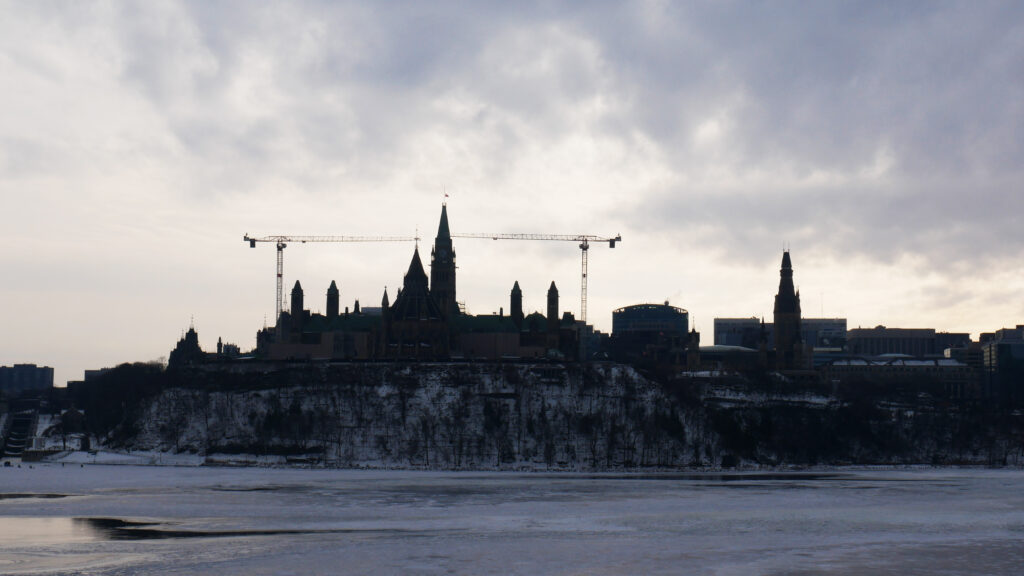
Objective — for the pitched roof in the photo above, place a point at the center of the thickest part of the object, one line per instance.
(414, 301)
(415, 273)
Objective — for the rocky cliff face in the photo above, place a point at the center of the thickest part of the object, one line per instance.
(593, 417)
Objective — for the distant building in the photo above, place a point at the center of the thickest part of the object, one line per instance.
(790, 349)
(1002, 346)
(743, 332)
(729, 358)
(1003, 360)
(821, 334)
(90, 374)
(651, 332)
(86, 377)
(187, 351)
(825, 334)
(916, 342)
(650, 319)
(424, 322)
(954, 378)
(25, 377)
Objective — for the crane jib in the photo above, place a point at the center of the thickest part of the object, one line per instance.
(583, 239)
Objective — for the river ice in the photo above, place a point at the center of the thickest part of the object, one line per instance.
(101, 519)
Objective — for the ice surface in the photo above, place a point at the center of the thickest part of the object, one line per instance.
(288, 521)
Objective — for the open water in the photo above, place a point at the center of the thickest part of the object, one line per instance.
(185, 520)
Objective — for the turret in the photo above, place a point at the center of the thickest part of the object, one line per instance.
(552, 308)
(297, 304)
(298, 314)
(332, 300)
(516, 307)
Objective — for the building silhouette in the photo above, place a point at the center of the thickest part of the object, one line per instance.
(25, 377)
(790, 351)
(442, 268)
(423, 322)
(651, 333)
(916, 342)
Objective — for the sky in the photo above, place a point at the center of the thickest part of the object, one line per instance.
(882, 143)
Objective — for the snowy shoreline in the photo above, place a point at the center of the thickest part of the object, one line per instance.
(168, 459)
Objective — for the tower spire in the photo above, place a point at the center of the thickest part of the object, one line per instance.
(788, 339)
(442, 267)
(442, 229)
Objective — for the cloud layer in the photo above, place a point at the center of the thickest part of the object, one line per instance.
(883, 144)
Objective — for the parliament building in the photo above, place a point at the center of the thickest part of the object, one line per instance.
(424, 322)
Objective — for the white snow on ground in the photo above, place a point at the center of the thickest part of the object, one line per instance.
(126, 458)
(921, 521)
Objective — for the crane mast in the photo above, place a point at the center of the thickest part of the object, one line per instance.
(584, 244)
(282, 241)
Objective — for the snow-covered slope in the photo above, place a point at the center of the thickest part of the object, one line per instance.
(540, 416)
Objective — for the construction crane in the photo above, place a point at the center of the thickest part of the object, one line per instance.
(282, 242)
(583, 239)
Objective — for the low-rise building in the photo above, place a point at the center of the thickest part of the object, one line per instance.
(955, 378)
(916, 342)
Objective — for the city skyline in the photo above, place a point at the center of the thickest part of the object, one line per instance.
(880, 144)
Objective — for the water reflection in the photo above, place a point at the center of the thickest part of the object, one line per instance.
(20, 531)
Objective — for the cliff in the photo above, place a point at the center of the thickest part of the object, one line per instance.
(582, 417)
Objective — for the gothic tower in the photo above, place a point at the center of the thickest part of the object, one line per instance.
(332, 300)
(516, 308)
(298, 312)
(788, 340)
(442, 268)
(552, 308)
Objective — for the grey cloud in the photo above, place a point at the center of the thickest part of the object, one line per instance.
(859, 131)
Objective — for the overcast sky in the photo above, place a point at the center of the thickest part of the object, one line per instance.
(881, 142)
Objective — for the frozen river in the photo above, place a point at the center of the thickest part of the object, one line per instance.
(166, 520)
